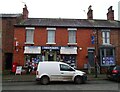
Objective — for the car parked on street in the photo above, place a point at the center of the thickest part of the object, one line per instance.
(113, 73)
(58, 71)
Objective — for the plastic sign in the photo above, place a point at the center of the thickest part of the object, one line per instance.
(93, 39)
(18, 70)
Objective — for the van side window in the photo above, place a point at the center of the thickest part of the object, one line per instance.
(65, 68)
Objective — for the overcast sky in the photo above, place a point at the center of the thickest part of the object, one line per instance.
(60, 8)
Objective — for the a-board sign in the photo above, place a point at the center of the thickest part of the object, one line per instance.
(18, 70)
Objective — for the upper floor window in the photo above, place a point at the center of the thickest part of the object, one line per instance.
(106, 36)
(72, 35)
(51, 35)
(30, 35)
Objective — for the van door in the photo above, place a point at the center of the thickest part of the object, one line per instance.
(54, 73)
(67, 72)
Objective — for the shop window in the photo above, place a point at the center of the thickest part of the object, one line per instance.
(31, 61)
(29, 35)
(51, 35)
(107, 56)
(72, 35)
(106, 37)
(69, 59)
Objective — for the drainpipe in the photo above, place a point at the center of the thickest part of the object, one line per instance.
(96, 52)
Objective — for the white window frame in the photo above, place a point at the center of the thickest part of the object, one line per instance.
(28, 37)
(70, 42)
(51, 35)
(106, 37)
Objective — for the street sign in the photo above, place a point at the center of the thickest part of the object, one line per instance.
(93, 39)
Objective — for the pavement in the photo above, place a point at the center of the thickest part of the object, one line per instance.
(31, 77)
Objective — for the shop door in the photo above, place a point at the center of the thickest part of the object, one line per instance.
(50, 57)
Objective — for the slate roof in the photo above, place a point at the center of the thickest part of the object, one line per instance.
(58, 22)
(9, 15)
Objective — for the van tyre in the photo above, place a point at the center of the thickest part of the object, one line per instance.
(44, 80)
(78, 80)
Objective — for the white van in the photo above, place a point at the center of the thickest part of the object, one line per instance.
(58, 71)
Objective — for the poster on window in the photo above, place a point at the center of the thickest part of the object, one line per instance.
(108, 61)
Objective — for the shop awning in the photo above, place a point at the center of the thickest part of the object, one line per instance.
(32, 50)
(68, 50)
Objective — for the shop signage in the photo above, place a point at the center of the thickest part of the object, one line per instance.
(93, 39)
(18, 70)
(49, 47)
(68, 50)
(32, 50)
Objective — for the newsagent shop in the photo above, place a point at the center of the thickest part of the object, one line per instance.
(35, 54)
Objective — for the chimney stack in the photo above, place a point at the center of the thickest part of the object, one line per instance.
(25, 12)
(90, 13)
(110, 14)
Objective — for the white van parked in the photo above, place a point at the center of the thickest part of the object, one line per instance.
(58, 71)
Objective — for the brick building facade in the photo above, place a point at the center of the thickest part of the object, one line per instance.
(8, 21)
(78, 42)
(7, 31)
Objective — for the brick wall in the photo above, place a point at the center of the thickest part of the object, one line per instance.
(8, 36)
(61, 39)
(83, 36)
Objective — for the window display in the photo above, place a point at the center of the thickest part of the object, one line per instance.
(32, 62)
(107, 56)
(69, 59)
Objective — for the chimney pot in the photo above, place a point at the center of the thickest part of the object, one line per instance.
(110, 14)
(25, 12)
(90, 13)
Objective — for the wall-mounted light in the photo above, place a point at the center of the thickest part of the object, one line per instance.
(80, 49)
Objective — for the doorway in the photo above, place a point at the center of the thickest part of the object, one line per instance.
(8, 60)
(91, 57)
(50, 57)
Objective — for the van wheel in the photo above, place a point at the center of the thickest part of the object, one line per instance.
(78, 80)
(44, 80)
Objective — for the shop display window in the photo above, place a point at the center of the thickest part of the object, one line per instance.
(69, 59)
(31, 62)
